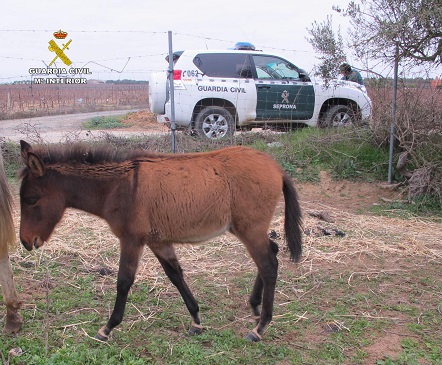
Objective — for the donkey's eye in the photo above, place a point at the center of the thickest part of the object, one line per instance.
(30, 200)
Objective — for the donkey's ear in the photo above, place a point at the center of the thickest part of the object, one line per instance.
(25, 149)
(35, 165)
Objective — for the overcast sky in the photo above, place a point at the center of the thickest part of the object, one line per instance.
(131, 36)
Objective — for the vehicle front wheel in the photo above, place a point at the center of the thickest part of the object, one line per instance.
(338, 116)
(215, 122)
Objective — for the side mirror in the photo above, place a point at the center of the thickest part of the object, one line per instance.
(303, 75)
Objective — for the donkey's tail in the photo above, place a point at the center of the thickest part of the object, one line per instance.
(293, 219)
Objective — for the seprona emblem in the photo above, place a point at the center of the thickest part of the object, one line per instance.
(285, 96)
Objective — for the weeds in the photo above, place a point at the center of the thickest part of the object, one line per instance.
(418, 132)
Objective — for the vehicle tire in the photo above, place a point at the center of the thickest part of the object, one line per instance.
(338, 116)
(215, 122)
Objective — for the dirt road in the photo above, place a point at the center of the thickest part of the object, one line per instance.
(56, 128)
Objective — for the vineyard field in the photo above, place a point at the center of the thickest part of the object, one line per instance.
(29, 100)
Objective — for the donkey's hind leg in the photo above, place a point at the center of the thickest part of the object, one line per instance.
(264, 256)
(255, 299)
(168, 260)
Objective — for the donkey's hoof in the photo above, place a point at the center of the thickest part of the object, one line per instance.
(12, 327)
(100, 337)
(101, 334)
(253, 336)
(195, 330)
(14, 321)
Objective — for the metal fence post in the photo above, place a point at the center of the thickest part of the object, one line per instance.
(393, 114)
(171, 93)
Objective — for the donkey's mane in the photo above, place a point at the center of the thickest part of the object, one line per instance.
(83, 154)
(101, 161)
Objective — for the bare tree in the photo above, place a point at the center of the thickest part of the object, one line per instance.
(329, 46)
(376, 27)
(414, 25)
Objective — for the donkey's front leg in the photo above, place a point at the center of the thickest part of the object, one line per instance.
(129, 259)
(13, 318)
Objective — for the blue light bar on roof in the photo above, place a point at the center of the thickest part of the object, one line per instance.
(244, 46)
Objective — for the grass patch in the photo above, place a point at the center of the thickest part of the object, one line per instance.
(11, 158)
(422, 206)
(348, 153)
(108, 122)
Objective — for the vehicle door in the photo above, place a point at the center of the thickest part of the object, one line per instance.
(282, 94)
(226, 76)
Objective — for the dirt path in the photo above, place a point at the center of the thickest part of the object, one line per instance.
(53, 128)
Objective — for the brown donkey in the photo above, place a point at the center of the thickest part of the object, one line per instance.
(158, 200)
(7, 239)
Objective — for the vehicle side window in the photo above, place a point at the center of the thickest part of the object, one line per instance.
(270, 67)
(229, 65)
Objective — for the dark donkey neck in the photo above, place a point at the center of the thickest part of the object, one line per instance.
(89, 187)
(90, 177)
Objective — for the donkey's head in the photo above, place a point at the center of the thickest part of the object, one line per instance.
(41, 202)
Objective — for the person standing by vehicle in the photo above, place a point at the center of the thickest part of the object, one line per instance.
(349, 74)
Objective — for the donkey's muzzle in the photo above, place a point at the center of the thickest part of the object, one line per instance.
(37, 242)
(27, 245)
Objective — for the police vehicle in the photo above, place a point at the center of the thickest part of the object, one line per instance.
(219, 91)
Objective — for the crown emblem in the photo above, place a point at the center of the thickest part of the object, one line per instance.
(60, 34)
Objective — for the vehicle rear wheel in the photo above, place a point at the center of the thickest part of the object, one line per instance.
(215, 122)
(338, 116)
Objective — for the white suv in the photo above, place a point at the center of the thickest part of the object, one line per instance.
(217, 92)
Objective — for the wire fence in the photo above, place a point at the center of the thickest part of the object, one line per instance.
(108, 54)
